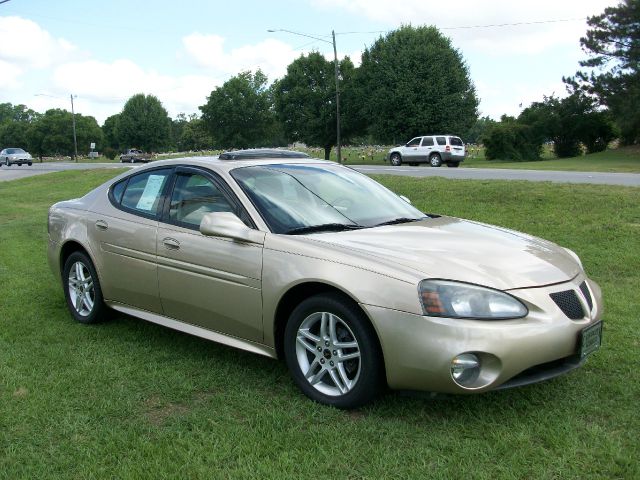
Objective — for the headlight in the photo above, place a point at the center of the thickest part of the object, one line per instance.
(575, 257)
(445, 298)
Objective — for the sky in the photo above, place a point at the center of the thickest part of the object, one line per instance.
(103, 52)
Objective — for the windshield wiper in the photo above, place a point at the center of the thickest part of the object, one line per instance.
(331, 227)
(400, 220)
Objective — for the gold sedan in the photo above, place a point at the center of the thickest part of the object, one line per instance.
(298, 258)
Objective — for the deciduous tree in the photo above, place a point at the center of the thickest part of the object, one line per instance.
(305, 100)
(144, 123)
(414, 82)
(239, 113)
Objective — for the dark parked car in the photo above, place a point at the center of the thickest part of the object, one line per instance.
(134, 155)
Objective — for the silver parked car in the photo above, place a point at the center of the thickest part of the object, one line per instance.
(10, 156)
(303, 259)
(434, 149)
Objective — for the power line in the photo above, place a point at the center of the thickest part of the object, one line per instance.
(466, 27)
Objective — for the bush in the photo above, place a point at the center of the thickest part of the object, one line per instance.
(110, 153)
(511, 141)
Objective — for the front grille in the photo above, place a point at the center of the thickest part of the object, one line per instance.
(587, 295)
(568, 303)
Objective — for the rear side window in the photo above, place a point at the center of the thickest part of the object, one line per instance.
(144, 191)
(441, 140)
(456, 142)
(118, 189)
(427, 141)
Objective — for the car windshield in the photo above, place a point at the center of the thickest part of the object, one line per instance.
(307, 198)
(14, 150)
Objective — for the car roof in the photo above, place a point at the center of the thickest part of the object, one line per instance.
(244, 158)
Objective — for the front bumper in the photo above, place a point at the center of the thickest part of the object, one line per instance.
(418, 350)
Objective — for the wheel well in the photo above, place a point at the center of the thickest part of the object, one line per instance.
(67, 249)
(292, 299)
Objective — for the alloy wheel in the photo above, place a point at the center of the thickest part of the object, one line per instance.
(81, 289)
(328, 354)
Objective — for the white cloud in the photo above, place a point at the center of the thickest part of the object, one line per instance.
(271, 56)
(9, 76)
(26, 45)
(104, 87)
(523, 39)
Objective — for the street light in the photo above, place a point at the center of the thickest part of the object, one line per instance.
(335, 62)
(73, 122)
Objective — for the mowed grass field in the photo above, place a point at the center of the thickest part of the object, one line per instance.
(129, 399)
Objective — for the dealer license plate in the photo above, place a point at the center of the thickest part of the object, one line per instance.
(590, 339)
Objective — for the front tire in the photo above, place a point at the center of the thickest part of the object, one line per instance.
(435, 160)
(395, 159)
(333, 353)
(82, 289)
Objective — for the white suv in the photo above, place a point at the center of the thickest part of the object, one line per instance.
(435, 149)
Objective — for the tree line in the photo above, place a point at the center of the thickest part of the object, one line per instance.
(604, 101)
(410, 82)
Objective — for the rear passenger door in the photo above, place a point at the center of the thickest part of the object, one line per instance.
(211, 282)
(123, 238)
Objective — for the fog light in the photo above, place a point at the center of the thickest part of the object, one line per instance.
(465, 369)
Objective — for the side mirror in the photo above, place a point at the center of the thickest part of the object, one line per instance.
(406, 199)
(228, 225)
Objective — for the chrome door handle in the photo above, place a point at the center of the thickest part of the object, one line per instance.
(101, 225)
(171, 243)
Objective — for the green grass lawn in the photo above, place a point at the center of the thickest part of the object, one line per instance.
(129, 399)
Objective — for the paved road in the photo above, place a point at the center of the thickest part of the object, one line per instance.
(628, 179)
(13, 172)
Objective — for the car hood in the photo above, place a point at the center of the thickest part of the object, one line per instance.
(462, 250)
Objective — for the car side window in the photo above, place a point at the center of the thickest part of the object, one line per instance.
(193, 196)
(441, 140)
(144, 191)
(414, 142)
(427, 141)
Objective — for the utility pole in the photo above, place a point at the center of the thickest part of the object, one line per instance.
(335, 60)
(75, 141)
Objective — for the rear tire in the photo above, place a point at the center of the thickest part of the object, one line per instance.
(82, 289)
(321, 332)
(435, 160)
(395, 159)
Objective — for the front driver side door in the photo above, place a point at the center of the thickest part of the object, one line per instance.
(410, 151)
(211, 282)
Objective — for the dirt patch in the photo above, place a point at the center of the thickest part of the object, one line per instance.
(158, 411)
(21, 392)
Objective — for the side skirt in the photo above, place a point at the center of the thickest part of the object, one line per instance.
(194, 330)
